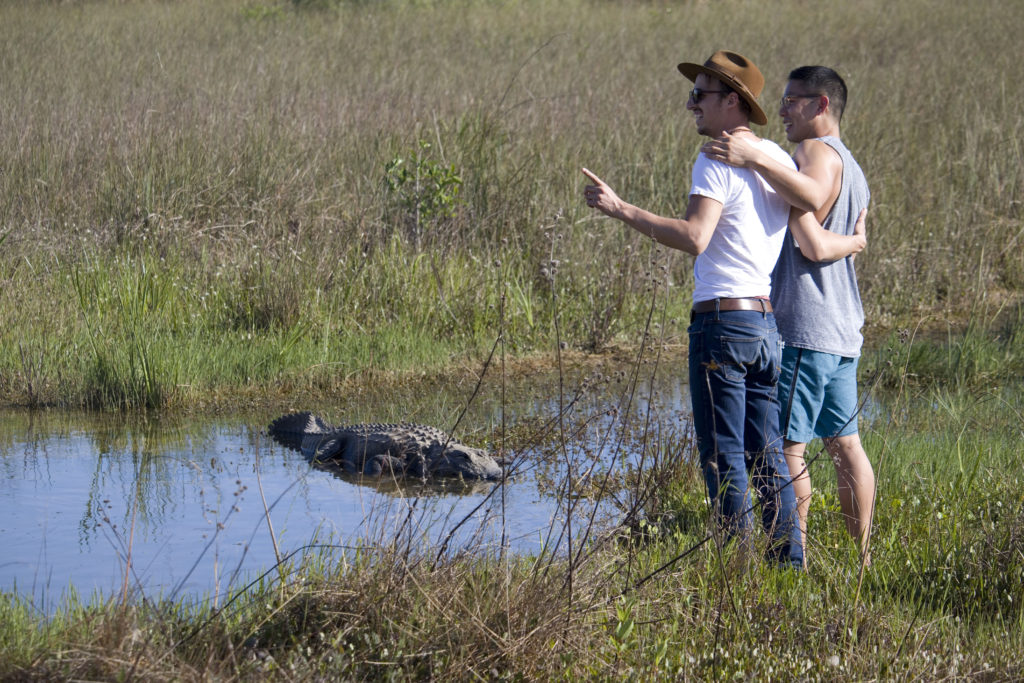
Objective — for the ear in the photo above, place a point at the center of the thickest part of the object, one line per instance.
(823, 104)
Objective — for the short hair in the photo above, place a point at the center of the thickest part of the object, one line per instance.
(744, 105)
(824, 81)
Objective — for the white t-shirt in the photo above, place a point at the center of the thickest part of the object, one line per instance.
(739, 259)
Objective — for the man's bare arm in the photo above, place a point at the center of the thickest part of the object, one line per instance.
(818, 244)
(690, 234)
(808, 189)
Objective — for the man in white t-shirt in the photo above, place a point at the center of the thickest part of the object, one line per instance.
(734, 225)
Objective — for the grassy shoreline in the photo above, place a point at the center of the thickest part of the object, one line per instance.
(647, 597)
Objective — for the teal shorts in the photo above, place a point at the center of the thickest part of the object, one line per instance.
(818, 395)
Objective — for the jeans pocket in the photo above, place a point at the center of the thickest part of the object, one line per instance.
(736, 355)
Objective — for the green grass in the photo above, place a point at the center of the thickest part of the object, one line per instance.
(325, 190)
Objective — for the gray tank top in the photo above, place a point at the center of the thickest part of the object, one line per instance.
(817, 305)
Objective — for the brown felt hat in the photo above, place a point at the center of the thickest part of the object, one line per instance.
(737, 72)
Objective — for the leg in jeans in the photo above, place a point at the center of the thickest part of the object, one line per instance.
(718, 400)
(763, 441)
(734, 361)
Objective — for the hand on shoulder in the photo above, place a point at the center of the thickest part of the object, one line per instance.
(738, 148)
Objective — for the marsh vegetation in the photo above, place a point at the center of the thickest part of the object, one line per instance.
(201, 200)
(213, 204)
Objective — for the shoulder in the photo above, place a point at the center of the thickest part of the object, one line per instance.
(817, 150)
(712, 179)
(776, 152)
(708, 168)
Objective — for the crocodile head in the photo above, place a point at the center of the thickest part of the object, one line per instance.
(463, 461)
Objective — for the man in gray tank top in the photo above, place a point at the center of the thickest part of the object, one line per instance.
(814, 289)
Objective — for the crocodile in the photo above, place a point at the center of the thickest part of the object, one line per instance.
(402, 449)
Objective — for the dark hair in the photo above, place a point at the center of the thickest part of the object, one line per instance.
(744, 105)
(824, 81)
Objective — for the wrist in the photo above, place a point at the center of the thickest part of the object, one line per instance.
(759, 161)
(622, 211)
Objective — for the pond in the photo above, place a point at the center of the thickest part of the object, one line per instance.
(203, 505)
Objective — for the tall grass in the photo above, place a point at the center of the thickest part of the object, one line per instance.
(242, 152)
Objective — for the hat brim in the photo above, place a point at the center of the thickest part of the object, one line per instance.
(691, 71)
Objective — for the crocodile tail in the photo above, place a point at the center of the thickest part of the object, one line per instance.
(289, 430)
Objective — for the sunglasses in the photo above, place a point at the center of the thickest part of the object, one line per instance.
(697, 94)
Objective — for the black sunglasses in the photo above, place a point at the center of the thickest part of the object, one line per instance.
(697, 94)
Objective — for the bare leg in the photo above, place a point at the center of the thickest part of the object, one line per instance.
(856, 481)
(794, 452)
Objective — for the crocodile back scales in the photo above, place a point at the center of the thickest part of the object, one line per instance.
(371, 447)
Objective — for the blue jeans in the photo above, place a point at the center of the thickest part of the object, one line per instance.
(735, 359)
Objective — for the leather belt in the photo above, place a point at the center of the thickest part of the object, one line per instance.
(748, 304)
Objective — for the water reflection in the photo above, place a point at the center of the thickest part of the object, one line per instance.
(406, 487)
(192, 501)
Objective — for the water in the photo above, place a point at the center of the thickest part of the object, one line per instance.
(182, 497)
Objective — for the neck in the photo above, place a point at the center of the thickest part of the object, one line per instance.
(833, 132)
(827, 127)
(742, 130)
(737, 124)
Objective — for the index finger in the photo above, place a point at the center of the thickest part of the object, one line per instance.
(590, 175)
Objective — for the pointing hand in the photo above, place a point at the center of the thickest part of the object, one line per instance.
(601, 197)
